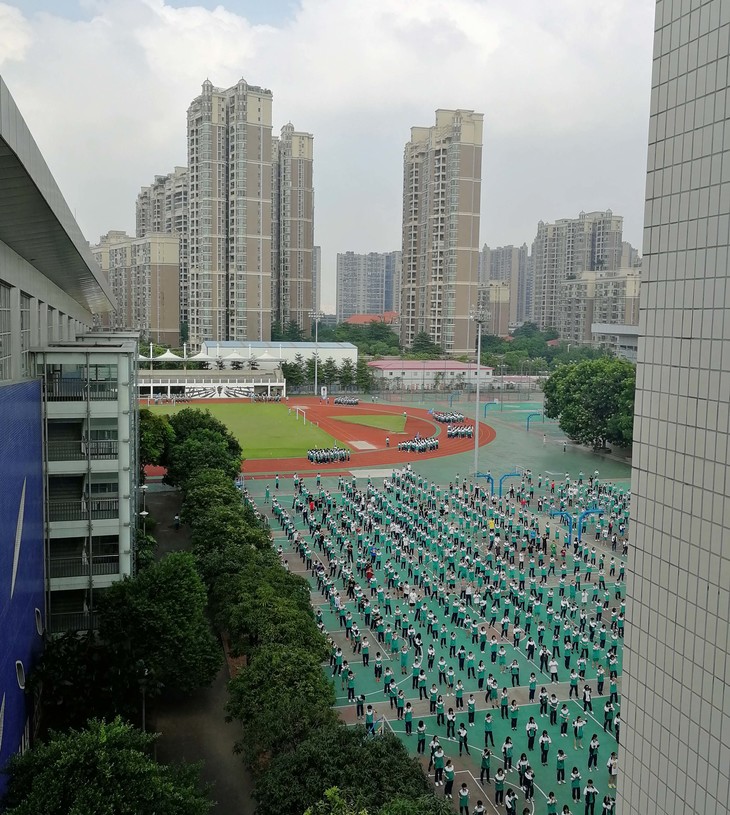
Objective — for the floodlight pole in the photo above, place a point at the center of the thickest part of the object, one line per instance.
(479, 317)
(316, 316)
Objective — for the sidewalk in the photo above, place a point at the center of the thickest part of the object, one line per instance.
(194, 729)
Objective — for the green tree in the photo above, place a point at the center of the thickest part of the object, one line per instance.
(280, 697)
(309, 370)
(329, 371)
(293, 373)
(201, 450)
(105, 769)
(340, 757)
(424, 347)
(347, 374)
(363, 376)
(157, 621)
(189, 419)
(155, 436)
(423, 805)
(293, 332)
(205, 490)
(593, 400)
(333, 803)
(184, 332)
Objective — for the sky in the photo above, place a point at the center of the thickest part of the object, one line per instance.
(104, 86)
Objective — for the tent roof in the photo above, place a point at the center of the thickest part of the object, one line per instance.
(168, 356)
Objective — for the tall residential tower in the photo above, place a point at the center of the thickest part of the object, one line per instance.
(442, 177)
(230, 167)
(676, 740)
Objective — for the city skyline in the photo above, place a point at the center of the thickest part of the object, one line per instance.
(360, 115)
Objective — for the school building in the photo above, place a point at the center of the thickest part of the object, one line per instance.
(429, 374)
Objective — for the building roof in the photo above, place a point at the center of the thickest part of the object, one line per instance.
(425, 365)
(616, 329)
(387, 317)
(35, 220)
(256, 346)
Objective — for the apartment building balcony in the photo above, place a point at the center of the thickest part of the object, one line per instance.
(82, 566)
(60, 622)
(72, 390)
(83, 509)
(82, 450)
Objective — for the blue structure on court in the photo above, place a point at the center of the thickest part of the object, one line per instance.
(21, 558)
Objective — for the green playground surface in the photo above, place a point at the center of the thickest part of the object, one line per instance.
(264, 430)
(394, 422)
(366, 684)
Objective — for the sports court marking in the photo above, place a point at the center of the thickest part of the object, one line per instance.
(362, 445)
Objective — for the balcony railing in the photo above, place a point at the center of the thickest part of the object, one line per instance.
(83, 566)
(80, 450)
(83, 509)
(72, 621)
(78, 391)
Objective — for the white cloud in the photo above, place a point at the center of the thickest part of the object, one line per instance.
(563, 85)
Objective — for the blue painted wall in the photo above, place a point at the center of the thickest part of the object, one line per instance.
(21, 553)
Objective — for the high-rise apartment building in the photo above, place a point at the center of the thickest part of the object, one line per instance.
(590, 242)
(442, 176)
(164, 207)
(144, 275)
(495, 300)
(293, 227)
(367, 283)
(675, 741)
(230, 246)
(317, 278)
(507, 264)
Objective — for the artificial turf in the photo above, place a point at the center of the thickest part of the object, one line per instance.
(394, 422)
(264, 430)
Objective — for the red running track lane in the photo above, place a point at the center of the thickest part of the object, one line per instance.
(418, 420)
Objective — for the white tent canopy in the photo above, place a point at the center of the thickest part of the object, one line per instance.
(234, 356)
(168, 356)
(143, 358)
(200, 357)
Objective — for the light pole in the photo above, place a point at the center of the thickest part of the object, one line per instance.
(316, 316)
(479, 316)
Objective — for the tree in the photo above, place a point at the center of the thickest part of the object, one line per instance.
(188, 420)
(201, 450)
(329, 371)
(157, 621)
(424, 805)
(293, 373)
(107, 769)
(424, 347)
(207, 490)
(333, 803)
(363, 376)
(309, 369)
(293, 332)
(155, 436)
(368, 772)
(347, 374)
(593, 400)
(280, 697)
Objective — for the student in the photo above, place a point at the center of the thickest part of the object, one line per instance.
(360, 707)
(522, 765)
(485, 768)
(545, 742)
(438, 765)
(543, 698)
(529, 783)
(499, 786)
(617, 728)
(560, 766)
(564, 719)
(451, 724)
(553, 709)
(463, 739)
(609, 804)
(608, 710)
(587, 703)
(578, 725)
(552, 804)
(409, 719)
(575, 784)
(590, 793)
(464, 800)
(478, 809)
(531, 730)
(612, 765)
(449, 776)
(370, 720)
(510, 803)
(593, 746)
(433, 744)
(507, 749)
(488, 730)
(514, 713)
(471, 704)
(421, 737)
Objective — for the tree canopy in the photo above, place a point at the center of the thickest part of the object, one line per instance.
(593, 401)
(105, 769)
(155, 436)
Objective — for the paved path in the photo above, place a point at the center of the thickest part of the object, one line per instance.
(194, 729)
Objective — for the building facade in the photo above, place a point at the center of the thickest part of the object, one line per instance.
(430, 374)
(564, 249)
(367, 283)
(675, 743)
(293, 228)
(442, 175)
(230, 245)
(495, 298)
(164, 207)
(317, 278)
(144, 275)
(50, 287)
(507, 264)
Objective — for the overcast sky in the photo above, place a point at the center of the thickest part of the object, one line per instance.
(563, 85)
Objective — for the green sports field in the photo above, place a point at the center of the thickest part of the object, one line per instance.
(264, 430)
(394, 422)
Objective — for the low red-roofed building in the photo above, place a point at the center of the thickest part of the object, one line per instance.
(389, 317)
(429, 374)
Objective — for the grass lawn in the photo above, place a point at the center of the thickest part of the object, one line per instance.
(394, 422)
(264, 430)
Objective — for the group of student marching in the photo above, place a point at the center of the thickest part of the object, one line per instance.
(350, 401)
(419, 445)
(448, 417)
(324, 455)
(435, 537)
(460, 431)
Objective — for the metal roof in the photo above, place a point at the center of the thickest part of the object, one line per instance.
(35, 220)
(274, 345)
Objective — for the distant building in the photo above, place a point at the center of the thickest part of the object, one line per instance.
(144, 275)
(163, 207)
(495, 299)
(292, 220)
(508, 264)
(317, 278)
(564, 249)
(367, 283)
(389, 317)
(267, 356)
(621, 340)
(442, 177)
(432, 374)
(600, 297)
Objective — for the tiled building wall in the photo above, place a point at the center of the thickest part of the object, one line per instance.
(676, 738)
